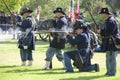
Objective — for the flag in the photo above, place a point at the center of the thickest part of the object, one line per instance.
(71, 11)
(77, 12)
(37, 15)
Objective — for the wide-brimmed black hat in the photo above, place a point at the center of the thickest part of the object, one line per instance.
(105, 11)
(25, 10)
(59, 9)
(80, 25)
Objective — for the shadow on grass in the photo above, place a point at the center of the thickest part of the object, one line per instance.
(30, 70)
(51, 71)
(21, 70)
(84, 78)
(48, 73)
(9, 66)
(8, 42)
(55, 72)
(15, 42)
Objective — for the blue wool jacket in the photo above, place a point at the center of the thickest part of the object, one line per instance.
(57, 41)
(110, 29)
(81, 41)
(27, 24)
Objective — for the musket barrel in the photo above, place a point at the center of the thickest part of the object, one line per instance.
(46, 31)
(97, 26)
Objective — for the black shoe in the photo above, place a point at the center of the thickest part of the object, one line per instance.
(109, 74)
(106, 74)
(97, 69)
(112, 75)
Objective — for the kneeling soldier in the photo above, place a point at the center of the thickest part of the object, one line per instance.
(82, 54)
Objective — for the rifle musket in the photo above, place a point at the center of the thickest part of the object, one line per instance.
(45, 31)
(97, 26)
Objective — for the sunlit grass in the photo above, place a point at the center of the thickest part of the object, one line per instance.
(10, 69)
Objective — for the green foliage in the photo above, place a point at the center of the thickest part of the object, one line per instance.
(94, 5)
(97, 18)
(47, 6)
(14, 5)
(114, 4)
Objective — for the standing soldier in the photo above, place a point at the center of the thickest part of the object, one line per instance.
(27, 39)
(58, 41)
(110, 29)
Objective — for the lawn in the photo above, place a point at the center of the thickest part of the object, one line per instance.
(10, 68)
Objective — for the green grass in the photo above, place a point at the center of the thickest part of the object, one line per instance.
(10, 69)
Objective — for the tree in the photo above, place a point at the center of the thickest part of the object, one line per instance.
(47, 6)
(14, 5)
(95, 5)
(114, 4)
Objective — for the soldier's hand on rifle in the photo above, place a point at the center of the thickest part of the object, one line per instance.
(18, 23)
(49, 34)
(66, 33)
(98, 30)
(55, 17)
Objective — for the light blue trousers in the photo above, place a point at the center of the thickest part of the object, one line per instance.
(26, 54)
(50, 53)
(111, 62)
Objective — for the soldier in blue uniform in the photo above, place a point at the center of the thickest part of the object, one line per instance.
(110, 29)
(58, 41)
(27, 39)
(3, 20)
(82, 42)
